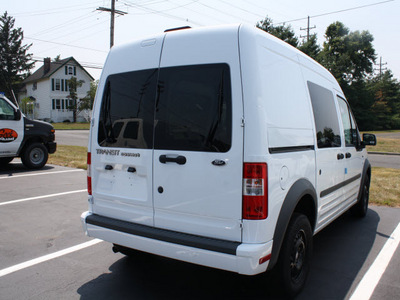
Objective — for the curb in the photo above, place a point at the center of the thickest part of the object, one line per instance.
(383, 153)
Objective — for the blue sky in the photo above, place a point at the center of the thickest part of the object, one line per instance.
(76, 28)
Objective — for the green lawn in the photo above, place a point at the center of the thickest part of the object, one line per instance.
(77, 126)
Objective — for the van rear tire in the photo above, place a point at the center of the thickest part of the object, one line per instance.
(295, 256)
(35, 156)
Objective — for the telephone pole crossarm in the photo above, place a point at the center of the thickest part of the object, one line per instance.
(308, 28)
(113, 11)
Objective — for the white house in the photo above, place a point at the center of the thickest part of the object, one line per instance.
(48, 90)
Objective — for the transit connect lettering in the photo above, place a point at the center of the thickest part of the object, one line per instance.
(130, 154)
(108, 152)
(116, 153)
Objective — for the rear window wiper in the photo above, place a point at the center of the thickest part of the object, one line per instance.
(217, 120)
(107, 120)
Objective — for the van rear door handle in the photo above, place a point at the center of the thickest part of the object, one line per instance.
(340, 156)
(180, 160)
(348, 155)
(108, 167)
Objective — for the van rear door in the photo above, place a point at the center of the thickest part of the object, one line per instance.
(122, 141)
(198, 140)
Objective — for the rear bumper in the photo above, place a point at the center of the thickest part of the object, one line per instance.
(226, 255)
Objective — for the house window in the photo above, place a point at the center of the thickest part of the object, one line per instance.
(34, 87)
(70, 70)
(58, 84)
(58, 104)
(70, 104)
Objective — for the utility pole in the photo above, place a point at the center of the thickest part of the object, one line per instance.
(113, 11)
(307, 28)
(380, 67)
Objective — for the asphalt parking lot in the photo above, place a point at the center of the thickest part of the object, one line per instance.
(44, 253)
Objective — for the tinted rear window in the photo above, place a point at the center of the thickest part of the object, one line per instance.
(194, 108)
(325, 116)
(189, 108)
(127, 111)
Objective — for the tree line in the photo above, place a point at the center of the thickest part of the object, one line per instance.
(350, 57)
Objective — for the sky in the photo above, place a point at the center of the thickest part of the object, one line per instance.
(76, 28)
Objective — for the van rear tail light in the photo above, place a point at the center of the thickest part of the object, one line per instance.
(255, 191)
(89, 175)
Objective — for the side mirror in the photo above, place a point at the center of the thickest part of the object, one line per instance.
(369, 139)
(17, 115)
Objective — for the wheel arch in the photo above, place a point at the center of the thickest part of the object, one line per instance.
(301, 198)
(30, 140)
(366, 171)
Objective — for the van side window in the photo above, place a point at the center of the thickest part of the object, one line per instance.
(349, 125)
(193, 110)
(325, 116)
(127, 110)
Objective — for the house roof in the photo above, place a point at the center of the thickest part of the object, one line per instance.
(54, 67)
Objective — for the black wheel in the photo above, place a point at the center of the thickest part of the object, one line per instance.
(295, 256)
(35, 156)
(5, 161)
(360, 209)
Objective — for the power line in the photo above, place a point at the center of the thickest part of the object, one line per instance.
(335, 12)
(63, 44)
(161, 13)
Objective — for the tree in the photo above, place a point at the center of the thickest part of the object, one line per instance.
(285, 33)
(386, 107)
(73, 85)
(86, 104)
(349, 56)
(14, 59)
(311, 47)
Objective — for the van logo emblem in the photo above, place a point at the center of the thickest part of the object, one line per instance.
(218, 162)
(7, 135)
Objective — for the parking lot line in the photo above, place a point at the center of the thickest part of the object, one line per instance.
(47, 257)
(371, 278)
(42, 197)
(41, 173)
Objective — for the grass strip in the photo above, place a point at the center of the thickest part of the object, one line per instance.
(69, 156)
(385, 187)
(71, 126)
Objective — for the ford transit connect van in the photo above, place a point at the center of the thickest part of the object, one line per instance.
(223, 147)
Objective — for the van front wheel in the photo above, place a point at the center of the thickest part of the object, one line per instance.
(360, 209)
(294, 259)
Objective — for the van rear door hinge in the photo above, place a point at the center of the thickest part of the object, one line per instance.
(243, 121)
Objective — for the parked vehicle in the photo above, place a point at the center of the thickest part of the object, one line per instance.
(240, 149)
(20, 137)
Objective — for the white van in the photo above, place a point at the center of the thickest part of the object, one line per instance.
(240, 148)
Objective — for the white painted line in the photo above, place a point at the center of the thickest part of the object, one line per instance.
(42, 197)
(47, 257)
(371, 279)
(41, 173)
